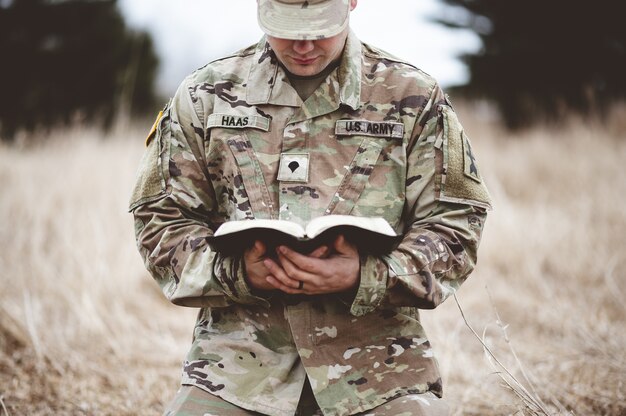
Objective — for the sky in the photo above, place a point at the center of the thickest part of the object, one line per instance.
(190, 33)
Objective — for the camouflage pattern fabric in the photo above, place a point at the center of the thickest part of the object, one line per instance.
(381, 139)
(191, 401)
(298, 19)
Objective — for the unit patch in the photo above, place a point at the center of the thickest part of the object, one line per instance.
(460, 180)
(237, 121)
(294, 167)
(369, 128)
(469, 162)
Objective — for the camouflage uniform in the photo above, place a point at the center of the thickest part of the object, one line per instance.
(191, 401)
(378, 138)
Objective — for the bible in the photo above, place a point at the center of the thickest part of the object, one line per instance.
(372, 235)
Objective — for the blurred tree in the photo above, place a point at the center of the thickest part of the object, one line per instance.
(68, 59)
(543, 58)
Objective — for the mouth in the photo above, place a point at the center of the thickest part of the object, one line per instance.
(307, 61)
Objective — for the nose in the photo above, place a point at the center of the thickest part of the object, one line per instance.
(303, 47)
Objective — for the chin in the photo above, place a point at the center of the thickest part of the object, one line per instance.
(305, 71)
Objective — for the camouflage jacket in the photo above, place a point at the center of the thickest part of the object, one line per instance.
(378, 138)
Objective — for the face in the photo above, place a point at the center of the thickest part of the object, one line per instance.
(308, 57)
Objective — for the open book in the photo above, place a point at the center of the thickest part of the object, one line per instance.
(372, 235)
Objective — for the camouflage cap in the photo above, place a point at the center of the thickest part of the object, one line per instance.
(303, 20)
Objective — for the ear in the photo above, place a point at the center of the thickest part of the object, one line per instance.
(353, 4)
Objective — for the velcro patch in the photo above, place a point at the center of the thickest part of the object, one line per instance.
(369, 128)
(237, 121)
(461, 181)
(294, 167)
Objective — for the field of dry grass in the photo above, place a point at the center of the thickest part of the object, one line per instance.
(84, 330)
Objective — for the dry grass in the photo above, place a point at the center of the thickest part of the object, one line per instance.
(84, 330)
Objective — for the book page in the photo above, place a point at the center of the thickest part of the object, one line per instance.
(287, 227)
(376, 224)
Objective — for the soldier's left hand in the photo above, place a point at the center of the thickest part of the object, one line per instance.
(301, 274)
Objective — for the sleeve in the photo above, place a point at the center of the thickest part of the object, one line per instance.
(172, 202)
(446, 207)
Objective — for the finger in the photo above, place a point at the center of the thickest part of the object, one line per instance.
(258, 249)
(295, 272)
(279, 273)
(277, 284)
(300, 261)
(320, 252)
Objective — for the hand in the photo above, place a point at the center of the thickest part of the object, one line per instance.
(257, 273)
(337, 272)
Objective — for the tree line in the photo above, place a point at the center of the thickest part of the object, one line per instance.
(542, 59)
(71, 59)
(64, 60)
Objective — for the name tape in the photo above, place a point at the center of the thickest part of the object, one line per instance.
(369, 128)
(232, 121)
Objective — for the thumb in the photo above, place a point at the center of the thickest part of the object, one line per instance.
(258, 249)
(342, 246)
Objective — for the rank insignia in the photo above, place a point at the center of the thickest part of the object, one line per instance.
(294, 167)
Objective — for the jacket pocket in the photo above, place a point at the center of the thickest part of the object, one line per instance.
(458, 178)
(375, 182)
(356, 178)
(238, 179)
(153, 172)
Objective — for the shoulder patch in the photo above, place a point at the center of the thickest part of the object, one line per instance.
(153, 172)
(154, 128)
(461, 181)
(470, 166)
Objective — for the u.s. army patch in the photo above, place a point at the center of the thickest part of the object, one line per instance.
(369, 128)
(238, 121)
(294, 167)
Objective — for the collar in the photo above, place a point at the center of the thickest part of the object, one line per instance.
(267, 81)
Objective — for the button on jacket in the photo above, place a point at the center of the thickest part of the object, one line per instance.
(378, 138)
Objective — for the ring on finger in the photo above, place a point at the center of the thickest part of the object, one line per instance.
(300, 285)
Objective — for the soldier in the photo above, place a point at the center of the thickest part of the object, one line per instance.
(309, 122)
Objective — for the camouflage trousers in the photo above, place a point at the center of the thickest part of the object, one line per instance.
(192, 401)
